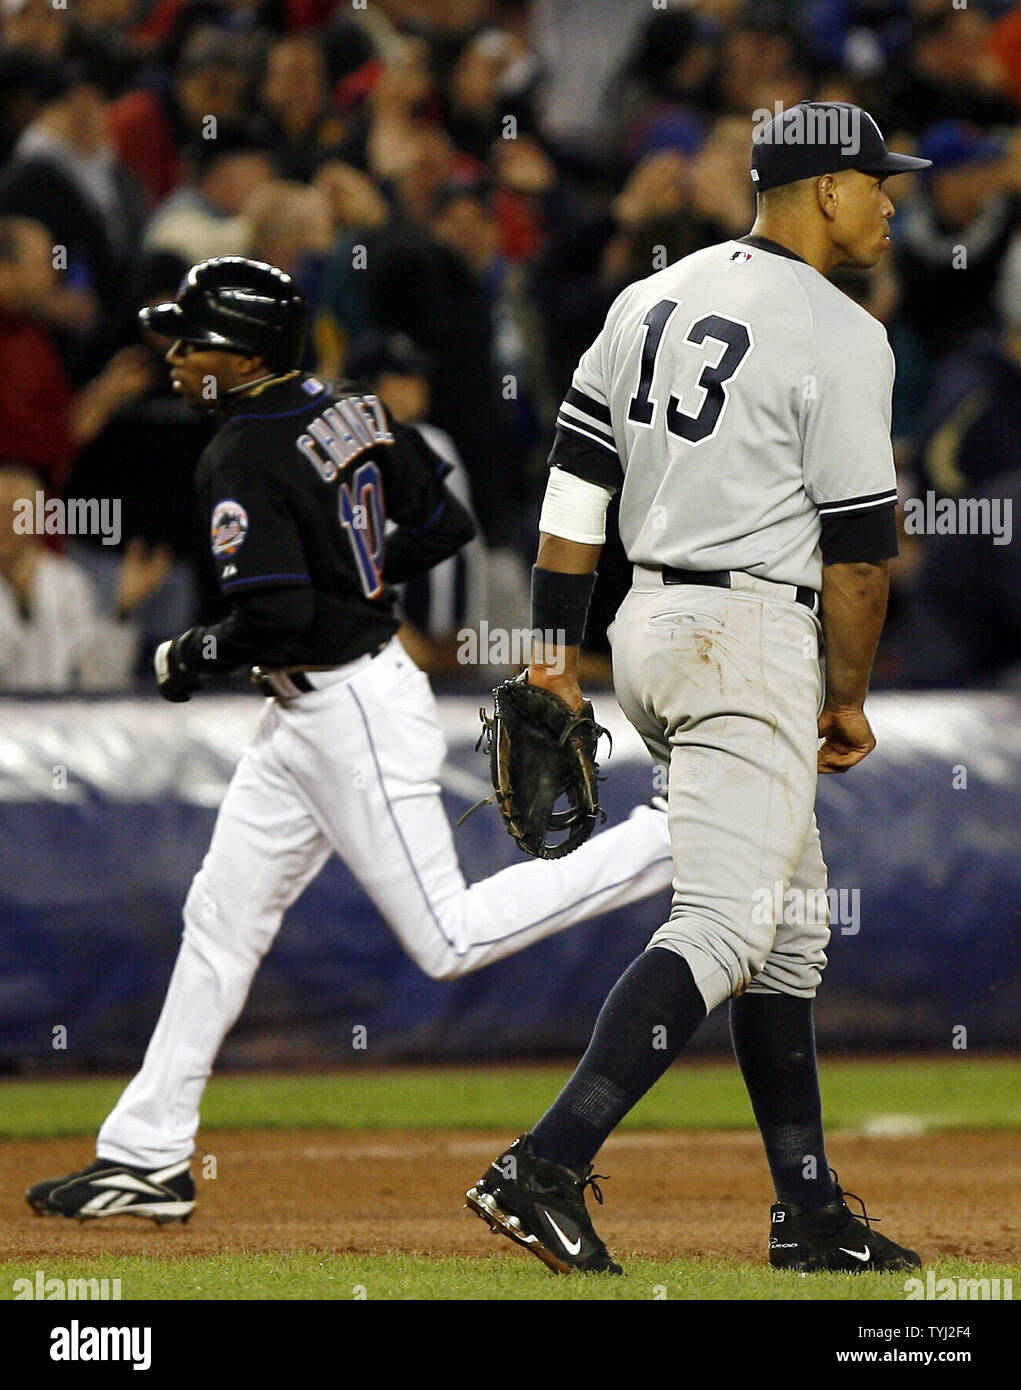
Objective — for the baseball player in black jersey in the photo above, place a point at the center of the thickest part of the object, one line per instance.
(299, 483)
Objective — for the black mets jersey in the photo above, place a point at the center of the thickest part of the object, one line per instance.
(298, 485)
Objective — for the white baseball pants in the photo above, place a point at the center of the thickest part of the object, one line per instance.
(350, 768)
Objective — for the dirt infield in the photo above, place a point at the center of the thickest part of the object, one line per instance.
(687, 1194)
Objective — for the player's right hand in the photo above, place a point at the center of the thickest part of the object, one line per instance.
(175, 681)
(847, 738)
(557, 683)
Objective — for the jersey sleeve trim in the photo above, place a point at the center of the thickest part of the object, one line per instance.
(867, 502)
(427, 525)
(266, 579)
(859, 537)
(574, 452)
(587, 405)
(587, 431)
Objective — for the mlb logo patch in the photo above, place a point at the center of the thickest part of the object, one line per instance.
(741, 256)
(229, 527)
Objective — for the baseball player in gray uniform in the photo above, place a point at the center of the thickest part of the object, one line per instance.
(741, 405)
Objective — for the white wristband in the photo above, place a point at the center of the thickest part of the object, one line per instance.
(574, 509)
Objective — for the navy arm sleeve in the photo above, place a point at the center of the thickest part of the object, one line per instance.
(259, 622)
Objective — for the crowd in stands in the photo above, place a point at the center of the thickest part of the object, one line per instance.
(461, 188)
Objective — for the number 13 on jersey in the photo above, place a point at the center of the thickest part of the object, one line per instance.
(735, 341)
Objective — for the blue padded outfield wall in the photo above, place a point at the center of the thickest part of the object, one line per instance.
(107, 806)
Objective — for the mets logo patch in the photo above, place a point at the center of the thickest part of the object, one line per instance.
(229, 527)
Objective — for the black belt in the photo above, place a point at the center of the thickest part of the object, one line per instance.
(720, 579)
(298, 679)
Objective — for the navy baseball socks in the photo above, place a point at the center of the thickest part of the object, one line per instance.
(811, 1227)
(534, 1193)
(774, 1041)
(649, 1015)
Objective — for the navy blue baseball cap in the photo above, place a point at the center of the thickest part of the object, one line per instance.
(822, 137)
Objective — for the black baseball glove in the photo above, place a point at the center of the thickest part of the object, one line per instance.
(542, 752)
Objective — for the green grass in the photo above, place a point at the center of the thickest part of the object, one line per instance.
(504, 1277)
(956, 1092)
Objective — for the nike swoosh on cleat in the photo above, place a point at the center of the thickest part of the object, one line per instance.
(571, 1246)
(857, 1254)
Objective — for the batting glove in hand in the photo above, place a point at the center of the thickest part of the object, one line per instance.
(176, 682)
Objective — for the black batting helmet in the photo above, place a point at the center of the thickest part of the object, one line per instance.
(236, 305)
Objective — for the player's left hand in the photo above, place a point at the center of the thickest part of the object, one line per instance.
(541, 750)
(175, 681)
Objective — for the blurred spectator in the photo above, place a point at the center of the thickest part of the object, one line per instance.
(28, 82)
(963, 622)
(952, 238)
(146, 458)
(582, 46)
(53, 636)
(43, 420)
(286, 223)
(65, 174)
(666, 75)
(205, 217)
(356, 208)
(401, 277)
(756, 58)
(393, 138)
(588, 261)
(464, 221)
(949, 73)
(152, 125)
(488, 84)
(303, 130)
(436, 605)
(1004, 45)
(90, 31)
(36, 26)
(289, 225)
(972, 426)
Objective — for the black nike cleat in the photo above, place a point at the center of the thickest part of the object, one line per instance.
(541, 1207)
(107, 1188)
(832, 1238)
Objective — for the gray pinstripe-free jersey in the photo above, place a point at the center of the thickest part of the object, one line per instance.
(742, 404)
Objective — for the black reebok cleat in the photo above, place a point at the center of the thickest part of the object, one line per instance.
(832, 1238)
(107, 1188)
(541, 1206)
